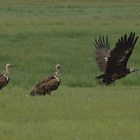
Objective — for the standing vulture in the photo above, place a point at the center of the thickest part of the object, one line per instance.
(4, 77)
(113, 62)
(48, 85)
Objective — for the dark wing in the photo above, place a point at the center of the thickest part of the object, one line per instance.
(3, 81)
(120, 54)
(53, 84)
(46, 86)
(102, 50)
(49, 78)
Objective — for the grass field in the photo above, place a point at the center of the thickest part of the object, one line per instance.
(37, 34)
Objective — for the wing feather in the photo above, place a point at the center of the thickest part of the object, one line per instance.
(121, 53)
(102, 50)
(47, 85)
(44, 81)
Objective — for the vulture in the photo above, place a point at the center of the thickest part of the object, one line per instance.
(4, 77)
(113, 63)
(48, 85)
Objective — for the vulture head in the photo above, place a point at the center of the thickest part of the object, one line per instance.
(9, 66)
(58, 70)
(58, 66)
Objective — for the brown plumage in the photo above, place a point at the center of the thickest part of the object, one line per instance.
(113, 62)
(48, 85)
(4, 77)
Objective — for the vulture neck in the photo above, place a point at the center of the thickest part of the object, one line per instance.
(58, 73)
(6, 71)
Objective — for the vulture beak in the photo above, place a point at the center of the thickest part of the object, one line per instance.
(12, 66)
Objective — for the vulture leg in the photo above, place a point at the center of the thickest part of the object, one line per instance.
(49, 93)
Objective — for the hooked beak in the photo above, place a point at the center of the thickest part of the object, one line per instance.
(12, 66)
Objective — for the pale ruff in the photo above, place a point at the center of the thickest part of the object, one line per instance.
(56, 78)
(6, 76)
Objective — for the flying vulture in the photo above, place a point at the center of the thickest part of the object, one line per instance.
(113, 63)
(4, 77)
(48, 85)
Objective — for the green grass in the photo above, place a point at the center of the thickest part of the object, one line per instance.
(35, 35)
(71, 113)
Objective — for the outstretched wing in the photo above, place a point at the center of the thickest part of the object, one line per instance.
(120, 54)
(102, 51)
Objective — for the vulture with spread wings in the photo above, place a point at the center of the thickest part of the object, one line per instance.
(113, 63)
